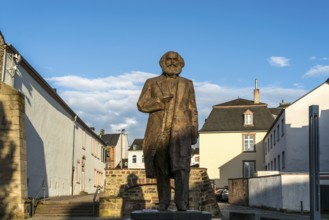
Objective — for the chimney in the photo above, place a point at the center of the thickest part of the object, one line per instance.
(256, 93)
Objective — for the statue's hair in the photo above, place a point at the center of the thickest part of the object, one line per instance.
(164, 56)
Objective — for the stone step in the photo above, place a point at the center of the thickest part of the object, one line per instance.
(82, 209)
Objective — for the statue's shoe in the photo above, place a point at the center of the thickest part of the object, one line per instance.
(163, 207)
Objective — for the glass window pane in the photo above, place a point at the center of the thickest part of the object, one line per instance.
(248, 168)
(249, 143)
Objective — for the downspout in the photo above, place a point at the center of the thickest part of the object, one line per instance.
(73, 150)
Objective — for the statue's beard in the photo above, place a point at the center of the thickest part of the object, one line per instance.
(172, 70)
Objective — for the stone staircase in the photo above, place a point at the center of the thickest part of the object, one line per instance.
(76, 206)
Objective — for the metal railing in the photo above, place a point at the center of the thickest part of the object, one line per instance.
(98, 188)
(34, 203)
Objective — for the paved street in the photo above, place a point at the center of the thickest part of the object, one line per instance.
(227, 208)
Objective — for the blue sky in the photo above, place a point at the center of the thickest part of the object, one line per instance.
(99, 53)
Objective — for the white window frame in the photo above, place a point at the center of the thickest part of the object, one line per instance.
(248, 118)
(248, 142)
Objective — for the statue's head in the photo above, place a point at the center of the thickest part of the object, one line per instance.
(172, 63)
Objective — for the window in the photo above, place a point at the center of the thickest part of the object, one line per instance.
(282, 126)
(248, 168)
(271, 141)
(83, 140)
(104, 153)
(268, 145)
(278, 129)
(98, 177)
(78, 171)
(248, 142)
(274, 164)
(248, 117)
(274, 137)
(142, 158)
(283, 160)
(265, 147)
(134, 160)
(279, 163)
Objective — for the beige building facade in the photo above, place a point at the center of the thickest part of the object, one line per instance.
(224, 157)
(231, 139)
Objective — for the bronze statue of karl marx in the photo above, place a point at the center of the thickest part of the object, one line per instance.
(171, 130)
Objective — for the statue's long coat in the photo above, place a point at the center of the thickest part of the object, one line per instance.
(184, 124)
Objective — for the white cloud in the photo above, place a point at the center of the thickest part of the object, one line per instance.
(319, 59)
(318, 70)
(126, 80)
(278, 61)
(110, 103)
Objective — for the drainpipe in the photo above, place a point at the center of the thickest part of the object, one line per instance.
(73, 149)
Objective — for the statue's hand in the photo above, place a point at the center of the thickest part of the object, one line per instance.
(167, 98)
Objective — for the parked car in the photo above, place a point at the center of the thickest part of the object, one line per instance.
(222, 195)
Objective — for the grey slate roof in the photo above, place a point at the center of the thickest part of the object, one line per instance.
(138, 143)
(276, 111)
(239, 101)
(110, 139)
(229, 116)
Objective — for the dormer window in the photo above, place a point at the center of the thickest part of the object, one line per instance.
(248, 118)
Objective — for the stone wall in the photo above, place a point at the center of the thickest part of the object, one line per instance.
(13, 175)
(129, 189)
(238, 191)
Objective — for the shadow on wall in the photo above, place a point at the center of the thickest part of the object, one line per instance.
(234, 167)
(8, 168)
(285, 192)
(293, 193)
(36, 165)
(132, 194)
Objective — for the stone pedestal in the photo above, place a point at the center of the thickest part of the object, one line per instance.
(128, 190)
(169, 215)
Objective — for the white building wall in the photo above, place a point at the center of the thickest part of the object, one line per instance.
(195, 160)
(297, 120)
(122, 146)
(88, 150)
(278, 147)
(50, 139)
(295, 142)
(265, 191)
(295, 189)
(139, 160)
(285, 191)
